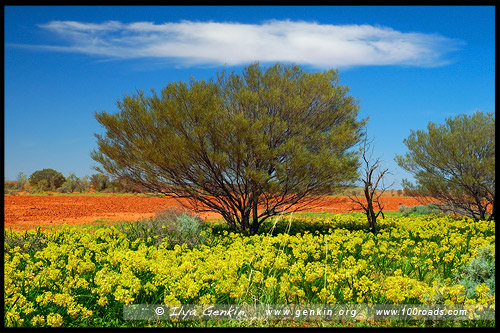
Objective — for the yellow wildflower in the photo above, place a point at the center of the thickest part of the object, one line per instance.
(54, 320)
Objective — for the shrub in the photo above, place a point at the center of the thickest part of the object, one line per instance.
(419, 210)
(405, 210)
(426, 210)
(176, 225)
(29, 242)
(10, 188)
(480, 270)
(181, 225)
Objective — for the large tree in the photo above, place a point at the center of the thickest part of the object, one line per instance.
(246, 146)
(454, 163)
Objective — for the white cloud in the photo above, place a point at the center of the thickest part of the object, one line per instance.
(215, 43)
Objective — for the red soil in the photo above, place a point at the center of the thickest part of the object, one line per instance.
(22, 212)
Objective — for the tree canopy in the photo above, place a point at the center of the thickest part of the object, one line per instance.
(46, 179)
(454, 163)
(246, 146)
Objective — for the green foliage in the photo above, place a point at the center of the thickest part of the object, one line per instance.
(181, 226)
(83, 184)
(73, 183)
(22, 181)
(43, 185)
(405, 210)
(454, 163)
(10, 188)
(187, 230)
(265, 138)
(171, 225)
(99, 182)
(46, 180)
(479, 270)
(13, 187)
(70, 185)
(123, 185)
(419, 210)
(28, 242)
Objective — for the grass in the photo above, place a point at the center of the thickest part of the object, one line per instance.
(317, 215)
(331, 215)
(111, 221)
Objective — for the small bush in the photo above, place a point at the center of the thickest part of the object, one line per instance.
(176, 225)
(182, 226)
(10, 189)
(405, 210)
(29, 242)
(419, 210)
(426, 210)
(480, 270)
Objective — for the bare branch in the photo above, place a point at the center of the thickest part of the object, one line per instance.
(373, 186)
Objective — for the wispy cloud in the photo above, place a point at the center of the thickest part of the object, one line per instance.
(215, 43)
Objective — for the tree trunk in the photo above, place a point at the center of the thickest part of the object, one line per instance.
(370, 213)
(255, 218)
(245, 222)
(373, 220)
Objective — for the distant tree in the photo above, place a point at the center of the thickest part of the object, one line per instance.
(70, 185)
(21, 181)
(74, 183)
(99, 182)
(46, 179)
(373, 187)
(246, 146)
(115, 185)
(454, 164)
(83, 184)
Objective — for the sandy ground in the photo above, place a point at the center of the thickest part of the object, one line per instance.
(23, 212)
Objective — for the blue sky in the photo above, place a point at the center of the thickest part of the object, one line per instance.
(408, 65)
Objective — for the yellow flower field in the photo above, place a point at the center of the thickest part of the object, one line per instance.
(82, 277)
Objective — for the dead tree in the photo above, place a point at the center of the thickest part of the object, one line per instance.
(371, 182)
